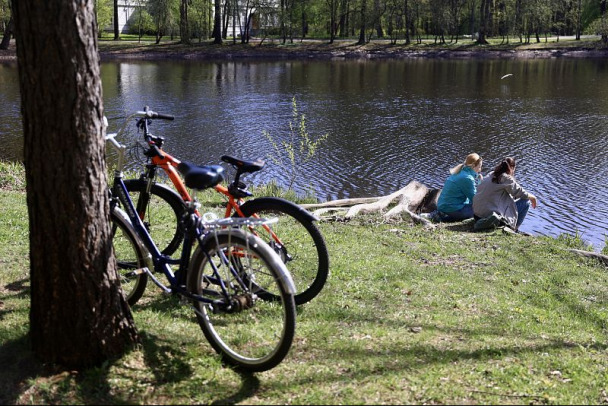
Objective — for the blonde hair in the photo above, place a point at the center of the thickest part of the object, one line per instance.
(471, 161)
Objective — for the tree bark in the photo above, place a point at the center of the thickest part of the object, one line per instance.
(184, 26)
(116, 27)
(78, 316)
(217, 23)
(603, 8)
(484, 20)
(362, 26)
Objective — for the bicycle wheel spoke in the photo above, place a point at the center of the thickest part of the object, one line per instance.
(129, 261)
(297, 241)
(250, 332)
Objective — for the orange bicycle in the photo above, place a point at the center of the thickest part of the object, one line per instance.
(295, 237)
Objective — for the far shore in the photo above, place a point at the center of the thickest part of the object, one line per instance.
(565, 47)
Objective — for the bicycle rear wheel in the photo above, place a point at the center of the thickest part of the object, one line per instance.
(302, 246)
(250, 334)
(130, 258)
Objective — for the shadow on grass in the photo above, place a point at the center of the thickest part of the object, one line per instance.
(24, 379)
(366, 363)
(18, 366)
(251, 384)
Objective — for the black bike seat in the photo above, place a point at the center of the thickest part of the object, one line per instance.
(243, 165)
(200, 177)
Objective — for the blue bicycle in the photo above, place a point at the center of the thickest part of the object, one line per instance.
(240, 290)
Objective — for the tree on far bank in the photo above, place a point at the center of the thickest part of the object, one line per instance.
(103, 14)
(162, 12)
(184, 27)
(116, 28)
(484, 21)
(217, 23)
(78, 316)
(362, 20)
(6, 23)
(604, 24)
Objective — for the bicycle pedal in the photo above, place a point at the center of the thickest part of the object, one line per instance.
(138, 271)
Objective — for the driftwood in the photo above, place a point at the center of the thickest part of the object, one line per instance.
(602, 258)
(412, 199)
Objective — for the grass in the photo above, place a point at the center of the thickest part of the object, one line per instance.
(409, 315)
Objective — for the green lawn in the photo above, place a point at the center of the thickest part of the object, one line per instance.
(409, 315)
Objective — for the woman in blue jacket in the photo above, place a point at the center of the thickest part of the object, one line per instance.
(456, 199)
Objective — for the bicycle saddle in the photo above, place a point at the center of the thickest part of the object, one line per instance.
(200, 177)
(242, 165)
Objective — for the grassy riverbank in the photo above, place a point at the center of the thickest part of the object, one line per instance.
(130, 47)
(408, 315)
(590, 46)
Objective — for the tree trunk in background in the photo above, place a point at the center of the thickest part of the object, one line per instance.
(217, 23)
(362, 27)
(377, 20)
(116, 28)
(184, 27)
(6, 39)
(78, 316)
(603, 17)
(484, 20)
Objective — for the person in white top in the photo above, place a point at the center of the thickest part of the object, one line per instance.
(500, 199)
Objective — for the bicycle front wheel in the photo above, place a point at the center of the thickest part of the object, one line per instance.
(297, 240)
(160, 210)
(130, 258)
(249, 333)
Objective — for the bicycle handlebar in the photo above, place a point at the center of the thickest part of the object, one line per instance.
(154, 115)
(144, 114)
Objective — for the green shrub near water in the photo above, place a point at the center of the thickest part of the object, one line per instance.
(408, 315)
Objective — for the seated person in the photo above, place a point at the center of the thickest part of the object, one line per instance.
(500, 200)
(455, 201)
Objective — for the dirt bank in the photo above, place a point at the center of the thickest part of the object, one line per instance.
(126, 50)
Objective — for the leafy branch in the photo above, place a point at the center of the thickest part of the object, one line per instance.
(298, 148)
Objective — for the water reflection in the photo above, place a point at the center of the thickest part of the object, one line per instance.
(389, 122)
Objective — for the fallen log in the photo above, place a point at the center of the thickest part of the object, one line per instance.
(410, 197)
(602, 258)
(414, 198)
(341, 202)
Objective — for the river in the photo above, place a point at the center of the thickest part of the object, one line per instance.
(388, 122)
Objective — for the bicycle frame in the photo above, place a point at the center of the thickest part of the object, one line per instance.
(162, 263)
(169, 164)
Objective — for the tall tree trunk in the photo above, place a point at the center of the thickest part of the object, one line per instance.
(578, 21)
(217, 23)
(377, 20)
(78, 315)
(603, 17)
(333, 10)
(344, 12)
(116, 28)
(226, 18)
(406, 22)
(184, 27)
(484, 20)
(362, 22)
(8, 33)
(304, 20)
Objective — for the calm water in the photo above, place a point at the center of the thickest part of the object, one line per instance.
(389, 122)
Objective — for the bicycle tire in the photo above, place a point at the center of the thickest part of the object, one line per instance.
(130, 258)
(304, 250)
(253, 334)
(162, 213)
